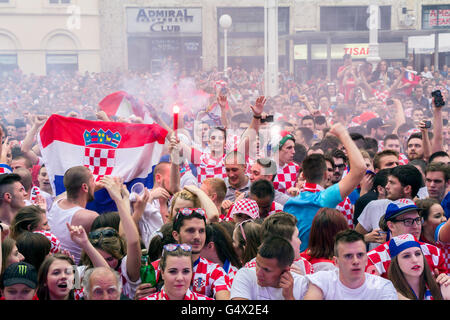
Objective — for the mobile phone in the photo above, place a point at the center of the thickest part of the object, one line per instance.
(438, 100)
(427, 124)
(223, 91)
(389, 102)
(269, 118)
(370, 172)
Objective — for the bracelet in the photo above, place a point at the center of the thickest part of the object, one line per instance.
(259, 117)
(1, 228)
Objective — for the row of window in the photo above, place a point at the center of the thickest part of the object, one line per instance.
(49, 1)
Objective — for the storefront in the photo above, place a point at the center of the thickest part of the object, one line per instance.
(246, 37)
(161, 36)
(435, 19)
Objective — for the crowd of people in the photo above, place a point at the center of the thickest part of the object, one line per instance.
(333, 189)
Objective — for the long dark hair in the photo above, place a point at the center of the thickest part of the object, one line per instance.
(395, 274)
(223, 243)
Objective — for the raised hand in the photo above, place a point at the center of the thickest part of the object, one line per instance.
(259, 106)
(78, 235)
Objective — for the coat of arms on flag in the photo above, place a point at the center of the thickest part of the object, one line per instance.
(99, 152)
(125, 150)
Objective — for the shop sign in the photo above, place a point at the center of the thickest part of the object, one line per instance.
(436, 17)
(164, 20)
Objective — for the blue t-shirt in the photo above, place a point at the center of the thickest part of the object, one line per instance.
(304, 207)
(446, 205)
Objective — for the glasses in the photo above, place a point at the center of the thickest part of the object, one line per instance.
(340, 166)
(106, 233)
(189, 211)
(410, 222)
(174, 246)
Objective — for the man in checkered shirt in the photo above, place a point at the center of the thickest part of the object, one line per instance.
(402, 217)
(305, 205)
(287, 169)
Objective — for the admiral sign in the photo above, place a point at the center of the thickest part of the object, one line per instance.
(436, 17)
(164, 20)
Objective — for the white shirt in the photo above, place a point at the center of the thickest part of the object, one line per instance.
(245, 285)
(373, 288)
(370, 217)
(150, 221)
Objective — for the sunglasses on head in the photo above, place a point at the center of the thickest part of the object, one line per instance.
(242, 228)
(189, 211)
(106, 233)
(174, 246)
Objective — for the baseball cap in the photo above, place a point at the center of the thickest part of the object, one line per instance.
(399, 243)
(376, 123)
(20, 273)
(399, 207)
(282, 138)
(246, 206)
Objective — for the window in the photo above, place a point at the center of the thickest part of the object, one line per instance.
(251, 20)
(59, 1)
(351, 18)
(4, 1)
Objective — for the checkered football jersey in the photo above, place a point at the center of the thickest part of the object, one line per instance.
(346, 208)
(445, 249)
(54, 241)
(402, 159)
(162, 295)
(208, 278)
(305, 266)
(380, 258)
(208, 167)
(286, 177)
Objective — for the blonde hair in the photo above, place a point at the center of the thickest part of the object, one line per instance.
(185, 195)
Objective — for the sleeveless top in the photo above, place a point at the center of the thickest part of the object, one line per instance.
(57, 218)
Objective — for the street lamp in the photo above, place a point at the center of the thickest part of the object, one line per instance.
(225, 22)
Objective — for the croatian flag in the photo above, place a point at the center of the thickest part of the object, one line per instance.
(121, 104)
(412, 78)
(129, 151)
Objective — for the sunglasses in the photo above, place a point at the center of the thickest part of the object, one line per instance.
(106, 233)
(189, 211)
(240, 225)
(174, 246)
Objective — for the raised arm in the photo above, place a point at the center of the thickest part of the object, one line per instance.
(27, 144)
(127, 226)
(399, 114)
(437, 142)
(212, 213)
(357, 164)
(176, 161)
(253, 129)
(425, 141)
(79, 236)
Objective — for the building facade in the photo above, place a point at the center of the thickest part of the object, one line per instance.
(142, 35)
(41, 36)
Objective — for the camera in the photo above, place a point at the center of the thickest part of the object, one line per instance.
(389, 102)
(269, 118)
(438, 99)
(427, 124)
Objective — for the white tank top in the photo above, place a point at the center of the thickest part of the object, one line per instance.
(57, 218)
